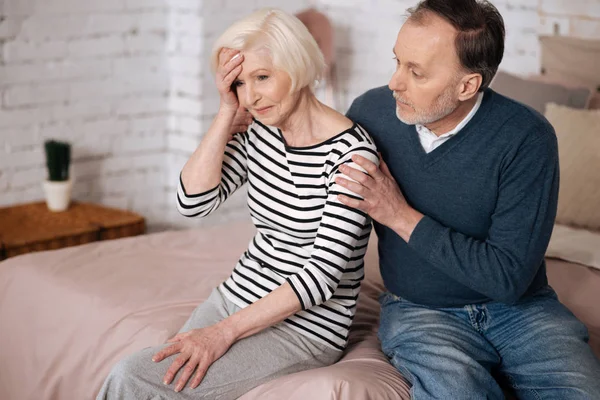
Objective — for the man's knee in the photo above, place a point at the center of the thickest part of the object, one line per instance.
(447, 380)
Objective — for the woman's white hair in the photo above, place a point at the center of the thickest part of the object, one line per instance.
(290, 44)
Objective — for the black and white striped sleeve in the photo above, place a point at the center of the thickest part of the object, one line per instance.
(234, 173)
(337, 237)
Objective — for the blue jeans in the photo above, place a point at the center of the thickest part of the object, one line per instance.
(537, 347)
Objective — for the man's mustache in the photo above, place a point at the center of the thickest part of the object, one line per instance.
(401, 100)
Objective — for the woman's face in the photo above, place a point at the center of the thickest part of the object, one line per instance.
(264, 90)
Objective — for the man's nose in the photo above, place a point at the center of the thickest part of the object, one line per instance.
(398, 81)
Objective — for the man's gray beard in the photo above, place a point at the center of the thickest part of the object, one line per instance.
(443, 107)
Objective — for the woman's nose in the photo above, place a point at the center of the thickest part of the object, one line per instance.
(251, 96)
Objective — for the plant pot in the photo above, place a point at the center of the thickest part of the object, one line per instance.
(58, 194)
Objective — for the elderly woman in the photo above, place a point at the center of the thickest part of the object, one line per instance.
(290, 300)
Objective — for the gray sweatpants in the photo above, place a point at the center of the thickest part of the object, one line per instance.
(269, 354)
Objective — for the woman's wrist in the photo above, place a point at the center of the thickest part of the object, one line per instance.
(222, 123)
(227, 110)
(228, 329)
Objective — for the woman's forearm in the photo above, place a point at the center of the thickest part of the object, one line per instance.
(202, 171)
(268, 311)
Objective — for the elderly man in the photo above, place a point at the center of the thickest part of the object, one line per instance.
(464, 205)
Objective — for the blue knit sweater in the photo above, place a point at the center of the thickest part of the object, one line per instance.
(489, 195)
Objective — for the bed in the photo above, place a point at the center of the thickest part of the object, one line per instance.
(66, 316)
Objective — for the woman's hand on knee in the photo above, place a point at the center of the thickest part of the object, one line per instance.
(197, 349)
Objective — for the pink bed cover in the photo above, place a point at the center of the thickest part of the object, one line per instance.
(67, 316)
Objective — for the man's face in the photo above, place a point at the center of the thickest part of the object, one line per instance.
(426, 83)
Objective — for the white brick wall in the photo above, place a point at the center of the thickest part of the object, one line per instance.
(128, 83)
(95, 73)
(366, 31)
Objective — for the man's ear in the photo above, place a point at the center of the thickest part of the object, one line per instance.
(469, 86)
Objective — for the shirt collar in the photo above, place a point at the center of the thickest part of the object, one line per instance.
(423, 129)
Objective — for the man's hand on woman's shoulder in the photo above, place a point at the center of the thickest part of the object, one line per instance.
(382, 198)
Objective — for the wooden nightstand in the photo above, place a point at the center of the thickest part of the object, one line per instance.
(32, 227)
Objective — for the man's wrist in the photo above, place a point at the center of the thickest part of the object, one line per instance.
(406, 222)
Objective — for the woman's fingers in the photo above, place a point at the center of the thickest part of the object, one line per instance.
(186, 373)
(231, 76)
(238, 128)
(167, 352)
(175, 367)
(233, 62)
(176, 338)
(200, 372)
(226, 54)
(242, 115)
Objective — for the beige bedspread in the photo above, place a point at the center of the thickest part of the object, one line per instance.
(67, 316)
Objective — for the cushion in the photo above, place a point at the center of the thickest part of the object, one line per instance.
(580, 246)
(537, 94)
(573, 60)
(578, 133)
(594, 99)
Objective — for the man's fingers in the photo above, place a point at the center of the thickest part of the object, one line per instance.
(356, 175)
(350, 202)
(187, 372)
(175, 366)
(368, 165)
(352, 186)
(384, 168)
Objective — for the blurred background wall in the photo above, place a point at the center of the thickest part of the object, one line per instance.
(127, 82)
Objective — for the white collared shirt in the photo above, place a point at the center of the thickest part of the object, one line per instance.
(430, 141)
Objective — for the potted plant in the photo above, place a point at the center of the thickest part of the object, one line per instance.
(58, 186)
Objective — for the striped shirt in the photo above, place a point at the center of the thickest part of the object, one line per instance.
(305, 236)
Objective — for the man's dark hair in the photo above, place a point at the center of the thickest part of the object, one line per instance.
(480, 38)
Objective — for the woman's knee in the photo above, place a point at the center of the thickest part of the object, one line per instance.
(131, 368)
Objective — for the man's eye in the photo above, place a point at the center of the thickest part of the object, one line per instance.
(415, 74)
(396, 59)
